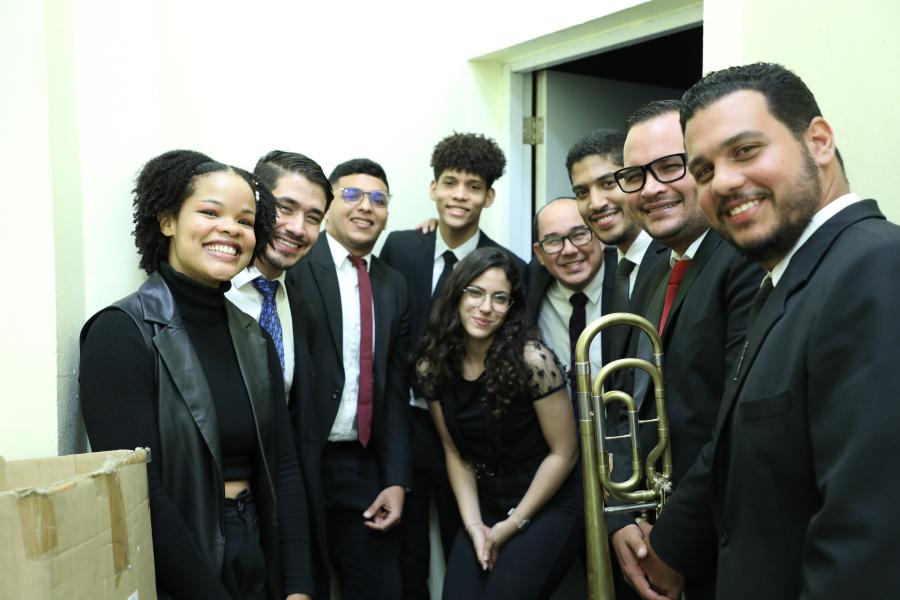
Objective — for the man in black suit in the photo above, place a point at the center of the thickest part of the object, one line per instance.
(302, 197)
(591, 162)
(360, 464)
(797, 491)
(465, 166)
(699, 300)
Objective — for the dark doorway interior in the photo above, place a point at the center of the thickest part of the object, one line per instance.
(673, 60)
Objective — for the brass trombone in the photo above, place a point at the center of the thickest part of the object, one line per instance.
(592, 400)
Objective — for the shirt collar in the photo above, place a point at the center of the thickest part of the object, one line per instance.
(461, 251)
(819, 219)
(691, 251)
(637, 249)
(246, 277)
(339, 254)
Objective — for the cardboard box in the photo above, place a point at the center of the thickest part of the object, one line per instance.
(76, 527)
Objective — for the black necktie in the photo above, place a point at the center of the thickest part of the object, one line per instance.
(759, 299)
(620, 296)
(577, 323)
(449, 261)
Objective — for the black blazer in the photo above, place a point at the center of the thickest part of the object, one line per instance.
(316, 276)
(540, 280)
(797, 492)
(301, 405)
(411, 253)
(701, 345)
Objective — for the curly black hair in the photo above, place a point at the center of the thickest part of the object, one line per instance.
(469, 152)
(442, 349)
(161, 188)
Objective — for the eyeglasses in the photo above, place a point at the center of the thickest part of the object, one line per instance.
(353, 195)
(553, 244)
(474, 297)
(665, 170)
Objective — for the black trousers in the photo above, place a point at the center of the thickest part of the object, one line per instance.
(367, 562)
(429, 482)
(244, 567)
(531, 563)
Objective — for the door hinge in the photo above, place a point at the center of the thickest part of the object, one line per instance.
(532, 130)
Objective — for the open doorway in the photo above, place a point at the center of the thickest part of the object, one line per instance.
(571, 98)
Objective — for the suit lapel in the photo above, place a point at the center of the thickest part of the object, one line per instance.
(704, 252)
(325, 274)
(177, 354)
(425, 269)
(252, 356)
(381, 298)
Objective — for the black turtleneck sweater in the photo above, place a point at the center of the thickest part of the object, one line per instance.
(117, 382)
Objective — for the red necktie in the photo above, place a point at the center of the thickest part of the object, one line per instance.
(364, 401)
(675, 278)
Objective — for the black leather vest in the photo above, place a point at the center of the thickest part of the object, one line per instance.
(189, 454)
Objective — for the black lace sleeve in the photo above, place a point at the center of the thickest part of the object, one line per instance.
(546, 371)
(424, 382)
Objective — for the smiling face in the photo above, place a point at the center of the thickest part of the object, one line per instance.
(357, 226)
(299, 208)
(460, 197)
(481, 321)
(669, 212)
(211, 238)
(601, 203)
(758, 184)
(573, 266)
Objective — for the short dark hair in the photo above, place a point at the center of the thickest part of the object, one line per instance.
(469, 152)
(359, 166)
(788, 99)
(602, 142)
(277, 163)
(162, 186)
(651, 110)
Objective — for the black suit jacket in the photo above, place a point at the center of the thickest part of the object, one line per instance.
(307, 436)
(797, 492)
(701, 344)
(316, 276)
(411, 253)
(540, 280)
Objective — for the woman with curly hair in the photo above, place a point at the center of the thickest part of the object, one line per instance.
(501, 407)
(176, 368)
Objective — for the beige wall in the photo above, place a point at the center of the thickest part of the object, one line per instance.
(847, 52)
(94, 88)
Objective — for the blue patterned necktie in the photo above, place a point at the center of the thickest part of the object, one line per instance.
(268, 316)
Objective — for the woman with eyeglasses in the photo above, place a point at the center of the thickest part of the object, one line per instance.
(176, 368)
(501, 407)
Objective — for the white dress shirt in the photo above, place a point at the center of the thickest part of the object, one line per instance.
(344, 427)
(247, 298)
(461, 251)
(556, 310)
(635, 254)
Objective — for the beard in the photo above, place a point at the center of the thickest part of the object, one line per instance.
(795, 209)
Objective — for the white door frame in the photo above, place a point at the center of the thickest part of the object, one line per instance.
(645, 21)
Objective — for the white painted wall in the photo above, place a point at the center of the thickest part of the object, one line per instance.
(848, 53)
